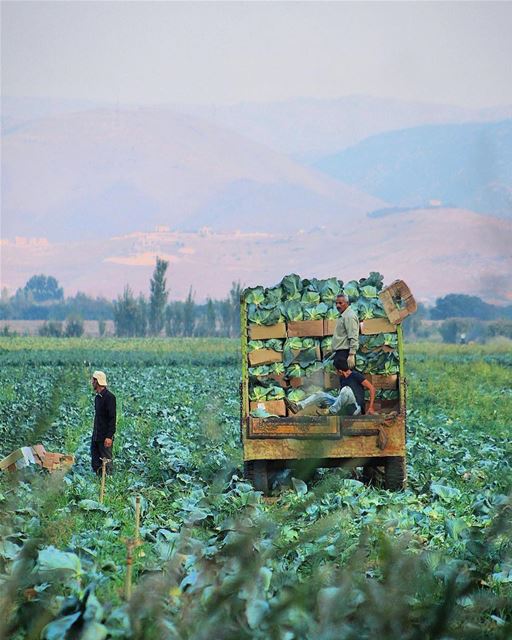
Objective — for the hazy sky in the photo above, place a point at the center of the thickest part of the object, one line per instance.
(218, 52)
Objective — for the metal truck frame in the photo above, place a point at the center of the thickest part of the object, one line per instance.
(374, 442)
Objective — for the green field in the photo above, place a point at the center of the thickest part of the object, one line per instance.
(333, 559)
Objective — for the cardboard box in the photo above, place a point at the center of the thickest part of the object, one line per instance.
(382, 382)
(264, 356)
(274, 407)
(390, 405)
(377, 325)
(305, 329)
(329, 326)
(37, 454)
(400, 291)
(57, 461)
(262, 332)
(18, 459)
(331, 380)
(280, 380)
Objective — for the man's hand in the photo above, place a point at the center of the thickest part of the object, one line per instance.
(371, 411)
(107, 442)
(351, 361)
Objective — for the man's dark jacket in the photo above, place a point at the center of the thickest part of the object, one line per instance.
(104, 416)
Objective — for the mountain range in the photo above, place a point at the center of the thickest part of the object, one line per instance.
(92, 195)
(463, 165)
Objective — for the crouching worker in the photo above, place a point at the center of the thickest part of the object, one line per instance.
(350, 400)
(104, 423)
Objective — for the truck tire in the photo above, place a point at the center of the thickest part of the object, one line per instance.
(371, 475)
(257, 473)
(394, 473)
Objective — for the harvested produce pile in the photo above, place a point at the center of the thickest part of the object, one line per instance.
(290, 329)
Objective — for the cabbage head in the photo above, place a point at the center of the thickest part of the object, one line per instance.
(258, 393)
(254, 295)
(296, 395)
(277, 368)
(274, 343)
(292, 287)
(310, 298)
(375, 279)
(292, 310)
(262, 316)
(351, 290)
(254, 345)
(275, 393)
(316, 313)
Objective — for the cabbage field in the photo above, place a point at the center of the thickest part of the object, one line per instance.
(330, 559)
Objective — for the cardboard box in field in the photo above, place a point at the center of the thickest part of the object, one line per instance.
(329, 326)
(262, 332)
(264, 356)
(274, 407)
(18, 459)
(377, 325)
(57, 461)
(305, 329)
(37, 454)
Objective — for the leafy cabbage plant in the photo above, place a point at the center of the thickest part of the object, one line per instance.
(316, 313)
(255, 295)
(292, 310)
(292, 287)
(264, 316)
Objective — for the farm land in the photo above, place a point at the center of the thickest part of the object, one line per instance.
(328, 559)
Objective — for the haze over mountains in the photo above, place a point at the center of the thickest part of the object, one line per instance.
(463, 165)
(93, 184)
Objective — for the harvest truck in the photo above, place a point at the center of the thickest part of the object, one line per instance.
(285, 344)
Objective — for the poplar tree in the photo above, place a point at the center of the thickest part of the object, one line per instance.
(158, 297)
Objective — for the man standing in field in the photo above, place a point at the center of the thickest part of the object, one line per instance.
(104, 423)
(345, 340)
(350, 400)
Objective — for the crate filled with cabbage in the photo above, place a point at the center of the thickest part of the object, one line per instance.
(289, 336)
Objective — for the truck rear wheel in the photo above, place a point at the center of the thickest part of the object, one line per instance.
(394, 473)
(257, 473)
(371, 475)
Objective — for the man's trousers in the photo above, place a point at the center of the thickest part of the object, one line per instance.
(99, 451)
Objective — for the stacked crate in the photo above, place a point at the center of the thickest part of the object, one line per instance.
(276, 364)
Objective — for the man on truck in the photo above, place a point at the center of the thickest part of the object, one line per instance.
(345, 340)
(350, 400)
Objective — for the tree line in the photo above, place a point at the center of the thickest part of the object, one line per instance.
(43, 299)
(138, 316)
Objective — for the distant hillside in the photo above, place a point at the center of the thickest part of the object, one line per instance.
(111, 172)
(309, 129)
(436, 252)
(305, 128)
(466, 166)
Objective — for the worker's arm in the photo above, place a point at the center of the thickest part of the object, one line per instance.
(111, 420)
(371, 389)
(352, 329)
